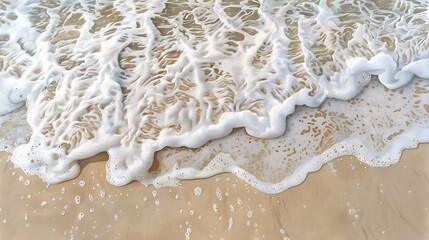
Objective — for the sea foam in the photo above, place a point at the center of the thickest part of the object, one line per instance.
(305, 81)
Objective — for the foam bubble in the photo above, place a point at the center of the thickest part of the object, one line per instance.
(198, 191)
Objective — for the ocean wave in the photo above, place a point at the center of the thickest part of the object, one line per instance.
(144, 79)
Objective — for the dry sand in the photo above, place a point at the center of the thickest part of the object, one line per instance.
(344, 200)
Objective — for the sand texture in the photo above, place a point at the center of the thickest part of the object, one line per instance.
(344, 200)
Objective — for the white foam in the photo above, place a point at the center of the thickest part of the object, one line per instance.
(133, 79)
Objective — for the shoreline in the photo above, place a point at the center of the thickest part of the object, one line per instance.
(344, 199)
(243, 104)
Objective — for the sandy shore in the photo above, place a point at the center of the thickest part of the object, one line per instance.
(344, 200)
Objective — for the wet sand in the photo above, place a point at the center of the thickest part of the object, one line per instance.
(344, 200)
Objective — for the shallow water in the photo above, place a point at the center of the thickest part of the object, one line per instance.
(140, 80)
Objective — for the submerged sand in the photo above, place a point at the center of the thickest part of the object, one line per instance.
(344, 200)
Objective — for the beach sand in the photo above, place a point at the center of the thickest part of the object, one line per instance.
(343, 200)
